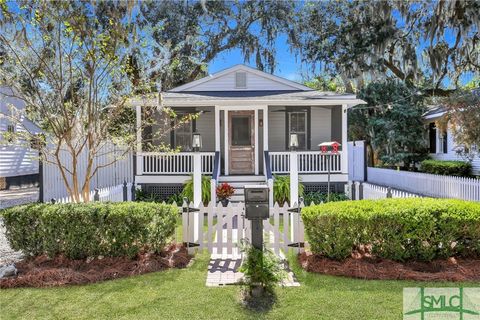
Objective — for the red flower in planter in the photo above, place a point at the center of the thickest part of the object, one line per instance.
(225, 191)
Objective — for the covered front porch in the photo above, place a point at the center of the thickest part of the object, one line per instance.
(248, 141)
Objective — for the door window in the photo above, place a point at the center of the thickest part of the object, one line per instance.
(241, 131)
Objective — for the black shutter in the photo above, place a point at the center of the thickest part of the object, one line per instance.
(432, 135)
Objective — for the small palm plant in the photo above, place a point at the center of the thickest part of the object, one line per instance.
(281, 189)
(188, 189)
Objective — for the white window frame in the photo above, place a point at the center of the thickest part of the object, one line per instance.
(303, 132)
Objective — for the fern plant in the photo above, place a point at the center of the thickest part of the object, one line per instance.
(281, 189)
(188, 189)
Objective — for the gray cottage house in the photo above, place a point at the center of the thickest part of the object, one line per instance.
(247, 121)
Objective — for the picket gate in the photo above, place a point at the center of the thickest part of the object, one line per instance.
(221, 230)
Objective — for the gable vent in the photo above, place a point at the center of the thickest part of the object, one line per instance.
(240, 80)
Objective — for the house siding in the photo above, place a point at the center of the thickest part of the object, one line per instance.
(325, 125)
(276, 129)
(204, 124)
(451, 155)
(227, 83)
(15, 158)
(321, 126)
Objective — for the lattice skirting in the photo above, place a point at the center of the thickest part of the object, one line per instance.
(162, 191)
(323, 187)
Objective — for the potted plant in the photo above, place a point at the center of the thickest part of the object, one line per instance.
(224, 192)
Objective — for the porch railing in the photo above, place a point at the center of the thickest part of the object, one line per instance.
(173, 163)
(308, 162)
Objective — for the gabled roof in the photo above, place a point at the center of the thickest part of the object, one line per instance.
(287, 84)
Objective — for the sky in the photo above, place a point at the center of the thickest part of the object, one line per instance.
(288, 66)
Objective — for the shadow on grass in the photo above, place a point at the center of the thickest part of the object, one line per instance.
(262, 304)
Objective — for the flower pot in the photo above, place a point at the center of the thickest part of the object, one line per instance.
(224, 202)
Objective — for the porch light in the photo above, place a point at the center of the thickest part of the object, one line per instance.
(293, 141)
(196, 142)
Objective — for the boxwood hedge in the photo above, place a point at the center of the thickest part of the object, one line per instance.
(399, 229)
(447, 168)
(87, 230)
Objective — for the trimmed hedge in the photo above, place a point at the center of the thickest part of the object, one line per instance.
(88, 230)
(419, 229)
(447, 168)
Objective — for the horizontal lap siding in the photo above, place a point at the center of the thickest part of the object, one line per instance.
(276, 129)
(17, 161)
(227, 83)
(206, 127)
(321, 126)
(451, 155)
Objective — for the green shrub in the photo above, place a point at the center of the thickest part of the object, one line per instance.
(188, 189)
(318, 197)
(261, 268)
(447, 168)
(281, 189)
(87, 230)
(398, 229)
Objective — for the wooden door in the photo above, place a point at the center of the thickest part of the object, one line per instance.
(241, 142)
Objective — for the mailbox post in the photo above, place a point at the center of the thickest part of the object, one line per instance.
(257, 210)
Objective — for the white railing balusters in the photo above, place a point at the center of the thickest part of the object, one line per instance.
(173, 163)
(308, 162)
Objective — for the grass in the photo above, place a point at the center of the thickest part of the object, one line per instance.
(182, 294)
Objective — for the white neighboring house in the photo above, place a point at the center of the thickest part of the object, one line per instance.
(442, 144)
(18, 163)
(246, 122)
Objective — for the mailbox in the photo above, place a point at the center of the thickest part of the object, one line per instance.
(256, 202)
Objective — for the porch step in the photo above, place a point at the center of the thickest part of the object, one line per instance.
(239, 194)
(249, 179)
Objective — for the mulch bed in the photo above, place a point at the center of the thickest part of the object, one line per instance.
(42, 271)
(367, 267)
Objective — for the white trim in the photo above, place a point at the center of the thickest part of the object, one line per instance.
(334, 177)
(434, 115)
(265, 128)
(255, 148)
(217, 128)
(247, 103)
(138, 112)
(344, 139)
(161, 179)
(225, 113)
(241, 67)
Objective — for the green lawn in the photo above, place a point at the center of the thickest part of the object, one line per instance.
(182, 294)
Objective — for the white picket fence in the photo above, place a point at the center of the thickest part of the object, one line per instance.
(112, 175)
(107, 194)
(430, 185)
(372, 191)
(220, 230)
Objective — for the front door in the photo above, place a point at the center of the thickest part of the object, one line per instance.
(241, 142)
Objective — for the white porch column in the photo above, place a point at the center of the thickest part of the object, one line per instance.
(225, 156)
(197, 179)
(256, 141)
(197, 193)
(265, 128)
(294, 203)
(344, 140)
(217, 128)
(138, 110)
(293, 178)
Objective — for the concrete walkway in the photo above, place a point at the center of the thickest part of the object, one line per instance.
(10, 198)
